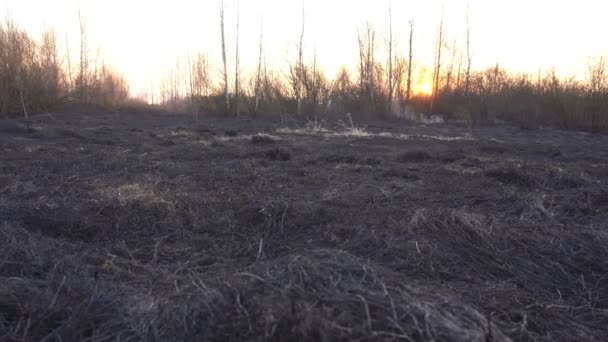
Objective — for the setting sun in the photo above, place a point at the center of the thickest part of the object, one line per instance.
(425, 89)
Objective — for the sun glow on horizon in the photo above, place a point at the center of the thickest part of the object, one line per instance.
(132, 41)
(425, 89)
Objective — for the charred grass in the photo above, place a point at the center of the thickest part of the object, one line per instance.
(232, 234)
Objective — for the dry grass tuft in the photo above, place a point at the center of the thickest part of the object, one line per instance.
(263, 139)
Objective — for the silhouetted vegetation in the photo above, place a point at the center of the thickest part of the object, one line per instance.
(35, 77)
(384, 90)
(545, 101)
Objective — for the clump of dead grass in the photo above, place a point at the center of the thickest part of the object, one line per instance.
(263, 139)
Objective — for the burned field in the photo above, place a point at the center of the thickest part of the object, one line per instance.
(159, 228)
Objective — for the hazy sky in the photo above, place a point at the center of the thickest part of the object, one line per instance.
(144, 38)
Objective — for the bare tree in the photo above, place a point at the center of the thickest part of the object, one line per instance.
(391, 46)
(437, 72)
(367, 47)
(110, 89)
(237, 62)
(297, 72)
(467, 82)
(315, 85)
(202, 79)
(191, 89)
(409, 63)
(597, 94)
(83, 70)
(13, 48)
(21, 88)
(67, 50)
(459, 73)
(225, 70)
(33, 79)
(400, 71)
(597, 76)
(467, 86)
(18, 53)
(450, 73)
(258, 78)
(371, 53)
(50, 70)
(175, 81)
(300, 66)
(19, 50)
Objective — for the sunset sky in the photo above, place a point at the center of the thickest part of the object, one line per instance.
(143, 39)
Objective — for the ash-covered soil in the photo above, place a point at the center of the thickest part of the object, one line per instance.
(160, 228)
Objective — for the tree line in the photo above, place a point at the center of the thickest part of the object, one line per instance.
(386, 88)
(35, 76)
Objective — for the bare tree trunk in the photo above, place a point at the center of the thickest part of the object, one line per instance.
(409, 63)
(437, 73)
(175, 85)
(391, 86)
(372, 65)
(467, 84)
(225, 71)
(51, 67)
(259, 72)
(22, 94)
(237, 62)
(315, 85)
(450, 73)
(84, 67)
(459, 74)
(366, 64)
(92, 78)
(539, 82)
(70, 80)
(191, 93)
(495, 85)
(300, 67)
(362, 63)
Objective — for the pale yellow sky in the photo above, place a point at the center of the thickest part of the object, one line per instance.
(144, 38)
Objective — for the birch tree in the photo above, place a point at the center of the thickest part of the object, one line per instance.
(237, 62)
(390, 75)
(258, 77)
(225, 64)
(409, 63)
(437, 71)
